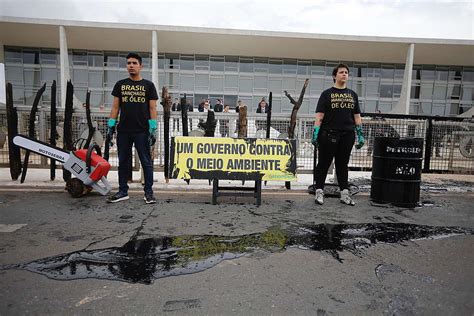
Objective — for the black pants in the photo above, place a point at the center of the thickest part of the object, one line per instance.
(125, 141)
(337, 145)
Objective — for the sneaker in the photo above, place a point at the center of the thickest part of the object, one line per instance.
(345, 198)
(149, 198)
(117, 197)
(319, 196)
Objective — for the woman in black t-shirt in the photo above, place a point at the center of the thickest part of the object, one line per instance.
(337, 115)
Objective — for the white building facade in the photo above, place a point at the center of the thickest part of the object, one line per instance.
(390, 75)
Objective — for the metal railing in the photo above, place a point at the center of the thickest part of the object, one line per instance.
(448, 142)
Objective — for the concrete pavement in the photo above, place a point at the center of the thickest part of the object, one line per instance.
(185, 256)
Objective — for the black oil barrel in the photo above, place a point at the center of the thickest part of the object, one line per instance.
(396, 171)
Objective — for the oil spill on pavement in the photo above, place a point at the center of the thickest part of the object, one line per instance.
(144, 260)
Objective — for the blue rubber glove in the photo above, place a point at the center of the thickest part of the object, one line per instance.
(111, 129)
(111, 122)
(360, 137)
(314, 140)
(152, 126)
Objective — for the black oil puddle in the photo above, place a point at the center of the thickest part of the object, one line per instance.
(144, 260)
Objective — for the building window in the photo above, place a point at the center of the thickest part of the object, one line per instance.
(49, 74)
(14, 74)
(32, 77)
(303, 67)
(217, 63)
(217, 83)
(13, 55)
(261, 82)
(245, 84)
(246, 64)
(186, 62)
(397, 90)
(370, 106)
(438, 109)
(80, 77)
(467, 93)
(385, 107)
(373, 88)
(289, 83)
(386, 91)
(202, 62)
(231, 81)
(231, 63)
(442, 73)
(172, 80)
(261, 65)
(79, 58)
(171, 61)
(202, 81)
(186, 82)
(111, 59)
(454, 91)
(468, 75)
(439, 92)
(316, 86)
(387, 72)
(289, 66)
(455, 73)
(275, 85)
(96, 79)
(452, 109)
(399, 72)
(49, 57)
(426, 108)
(428, 73)
(95, 59)
(373, 71)
(31, 56)
(426, 91)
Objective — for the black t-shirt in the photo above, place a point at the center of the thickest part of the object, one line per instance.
(134, 104)
(339, 107)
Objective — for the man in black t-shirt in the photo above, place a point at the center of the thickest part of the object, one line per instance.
(337, 115)
(135, 100)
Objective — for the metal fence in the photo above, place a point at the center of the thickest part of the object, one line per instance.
(448, 142)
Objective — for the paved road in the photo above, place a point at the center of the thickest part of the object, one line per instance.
(288, 256)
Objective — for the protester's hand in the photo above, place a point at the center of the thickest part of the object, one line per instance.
(152, 126)
(314, 139)
(111, 130)
(152, 140)
(360, 137)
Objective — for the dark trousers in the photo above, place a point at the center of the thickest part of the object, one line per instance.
(125, 141)
(175, 122)
(337, 145)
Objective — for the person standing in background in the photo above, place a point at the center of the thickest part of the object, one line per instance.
(176, 107)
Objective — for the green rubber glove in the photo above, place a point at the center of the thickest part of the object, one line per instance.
(360, 137)
(111, 129)
(314, 140)
(152, 126)
(111, 122)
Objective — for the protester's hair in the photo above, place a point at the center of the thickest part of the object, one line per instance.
(336, 69)
(136, 56)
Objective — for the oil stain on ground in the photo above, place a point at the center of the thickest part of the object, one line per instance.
(145, 260)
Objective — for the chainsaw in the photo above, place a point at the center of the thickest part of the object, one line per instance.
(87, 166)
